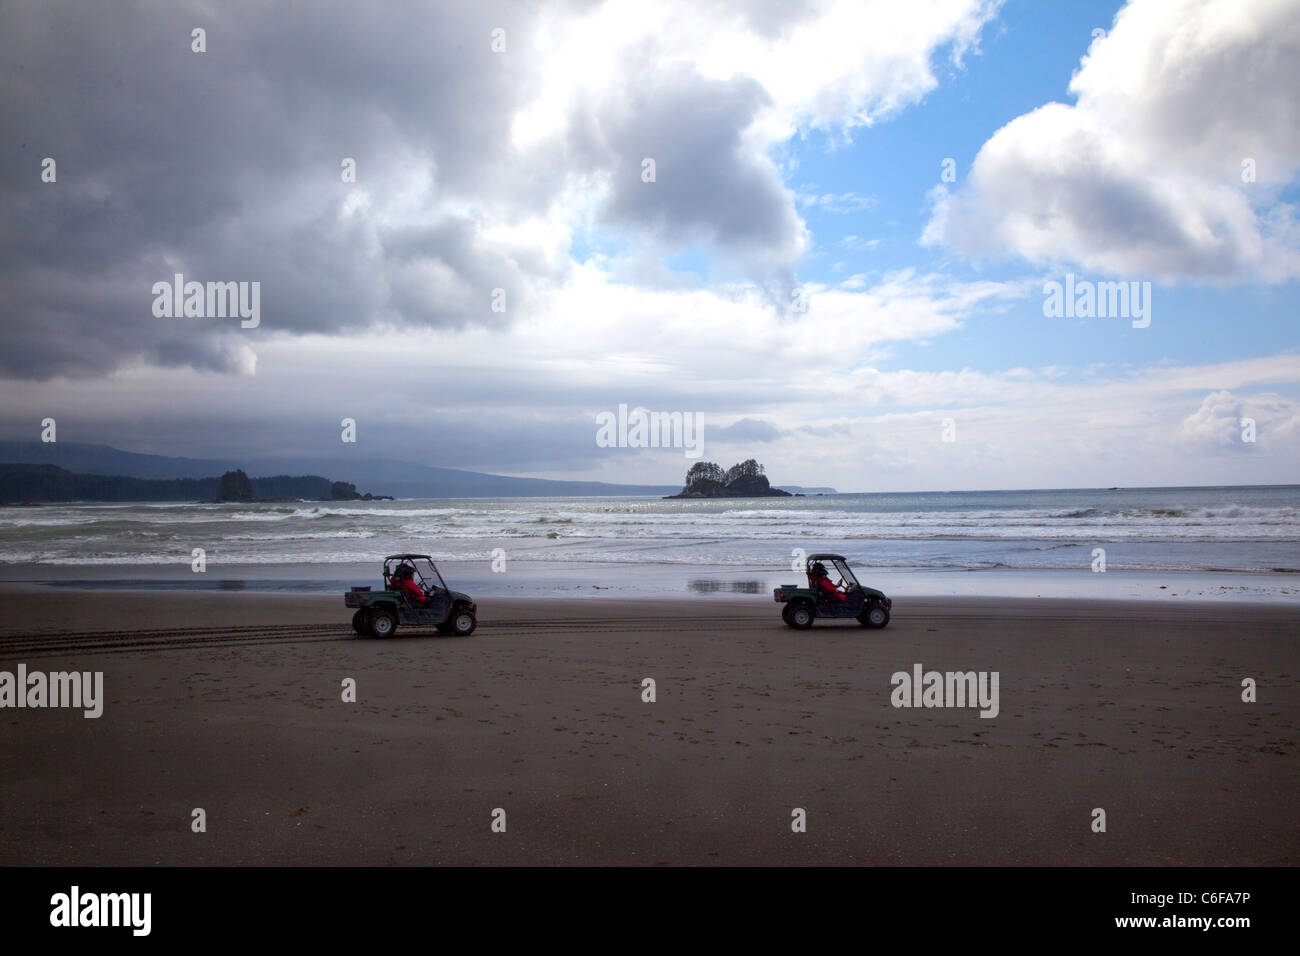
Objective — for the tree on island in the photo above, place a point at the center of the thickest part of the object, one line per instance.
(745, 471)
(344, 491)
(705, 471)
(235, 486)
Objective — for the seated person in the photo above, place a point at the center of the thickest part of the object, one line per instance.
(404, 581)
(821, 582)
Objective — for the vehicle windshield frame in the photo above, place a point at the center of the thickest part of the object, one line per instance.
(432, 567)
(847, 577)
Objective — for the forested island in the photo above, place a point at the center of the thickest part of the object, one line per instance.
(743, 480)
(32, 484)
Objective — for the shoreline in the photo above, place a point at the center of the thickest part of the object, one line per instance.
(595, 580)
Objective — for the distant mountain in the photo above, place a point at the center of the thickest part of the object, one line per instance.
(801, 490)
(103, 460)
(380, 476)
(30, 484)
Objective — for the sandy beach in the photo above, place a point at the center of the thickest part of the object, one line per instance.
(232, 704)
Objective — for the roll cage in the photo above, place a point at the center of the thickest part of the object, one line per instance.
(424, 571)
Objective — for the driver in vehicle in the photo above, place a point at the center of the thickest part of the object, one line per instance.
(406, 586)
(822, 582)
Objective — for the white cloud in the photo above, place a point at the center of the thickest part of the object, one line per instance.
(1221, 423)
(1143, 175)
(838, 203)
(830, 64)
(1216, 424)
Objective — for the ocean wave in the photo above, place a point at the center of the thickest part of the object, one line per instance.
(301, 536)
(1184, 528)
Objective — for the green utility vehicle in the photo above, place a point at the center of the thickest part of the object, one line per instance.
(413, 595)
(825, 597)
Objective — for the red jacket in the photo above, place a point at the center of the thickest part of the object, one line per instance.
(825, 585)
(411, 590)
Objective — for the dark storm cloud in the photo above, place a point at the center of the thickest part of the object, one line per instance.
(708, 187)
(225, 166)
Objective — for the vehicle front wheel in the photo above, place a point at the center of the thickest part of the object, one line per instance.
(359, 621)
(383, 623)
(461, 623)
(875, 616)
(799, 616)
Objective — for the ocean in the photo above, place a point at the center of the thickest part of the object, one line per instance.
(1249, 537)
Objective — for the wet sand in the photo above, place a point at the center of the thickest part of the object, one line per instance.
(232, 703)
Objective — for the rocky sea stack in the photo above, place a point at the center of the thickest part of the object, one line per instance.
(743, 480)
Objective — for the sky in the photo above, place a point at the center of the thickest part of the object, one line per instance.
(828, 231)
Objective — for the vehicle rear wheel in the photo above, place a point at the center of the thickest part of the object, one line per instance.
(800, 616)
(383, 623)
(874, 616)
(462, 622)
(359, 621)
